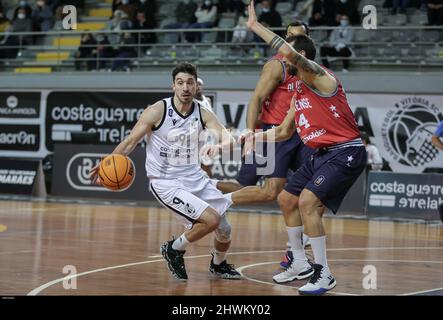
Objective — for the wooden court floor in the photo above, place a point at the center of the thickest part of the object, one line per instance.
(115, 251)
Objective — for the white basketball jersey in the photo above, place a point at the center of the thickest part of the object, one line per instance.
(173, 147)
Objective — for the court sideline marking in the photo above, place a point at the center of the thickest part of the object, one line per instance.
(37, 290)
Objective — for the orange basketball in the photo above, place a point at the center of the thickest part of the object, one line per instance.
(116, 172)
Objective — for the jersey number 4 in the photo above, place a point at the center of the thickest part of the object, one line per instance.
(303, 122)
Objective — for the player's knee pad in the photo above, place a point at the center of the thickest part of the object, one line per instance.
(223, 232)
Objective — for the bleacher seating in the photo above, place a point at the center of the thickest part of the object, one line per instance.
(403, 44)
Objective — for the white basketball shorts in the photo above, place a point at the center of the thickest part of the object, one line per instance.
(188, 197)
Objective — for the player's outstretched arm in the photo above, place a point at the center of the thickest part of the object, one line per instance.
(280, 133)
(307, 69)
(226, 140)
(271, 76)
(148, 119)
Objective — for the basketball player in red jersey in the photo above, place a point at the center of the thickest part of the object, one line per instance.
(323, 119)
(270, 102)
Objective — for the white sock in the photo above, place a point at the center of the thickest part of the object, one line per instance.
(318, 245)
(295, 238)
(305, 239)
(219, 256)
(180, 243)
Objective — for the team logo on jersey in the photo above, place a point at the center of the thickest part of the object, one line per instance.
(290, 87)
(319, 180)
(407, 131)
(170, 112)
(174, 121)
(298, 85)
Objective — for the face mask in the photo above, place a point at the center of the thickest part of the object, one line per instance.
(125, 2)
(208, 3)
(23, 3)
(21, 16)
(343, 1)
(100, 38)
(344, 23)
(186, 1)
(142, 1)
(266, 10)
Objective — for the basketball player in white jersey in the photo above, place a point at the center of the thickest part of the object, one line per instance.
(173, 126)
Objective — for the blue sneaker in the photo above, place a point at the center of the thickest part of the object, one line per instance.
(287, 260)
(320, 282)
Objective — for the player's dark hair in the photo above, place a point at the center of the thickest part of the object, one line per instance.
(302, 42)
(298, 23)
(365, 137)
(185, 67)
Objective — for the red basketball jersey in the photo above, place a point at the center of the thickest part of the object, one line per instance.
(323, 121)
(276, 106)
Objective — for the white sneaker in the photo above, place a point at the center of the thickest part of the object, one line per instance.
(320, 282)
(299, 269)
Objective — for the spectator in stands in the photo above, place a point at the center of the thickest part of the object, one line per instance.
(435, 12)
(241, 33)
(23, 4)
(149, 7)
(375, 161)
(128, 7)
(437, 135)
(125, 51)
(269, 17)
(349, 8)
(323, 13)
(206, 15)
(402, 4)
(120, 21)
(42, 16)
(9, 44)
(22, 24)
(338, 44)
(235, 6)
(84, 52)
(141, 23)
(103, 52)
(4, 21)
(185, 15)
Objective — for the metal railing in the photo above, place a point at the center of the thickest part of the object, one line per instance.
(405, 46)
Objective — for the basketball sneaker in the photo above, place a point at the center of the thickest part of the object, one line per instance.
(299, 269)
(224, 270)
(287, 260)
(320, 282)
(174, 258)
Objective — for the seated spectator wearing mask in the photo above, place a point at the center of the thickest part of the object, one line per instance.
(206, 15)
(42, 16)
(338, 44)
(22, 24)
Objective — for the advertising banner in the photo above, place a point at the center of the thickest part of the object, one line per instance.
(412, 194)
(19, 104)
(23, 177)
(72, 163)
